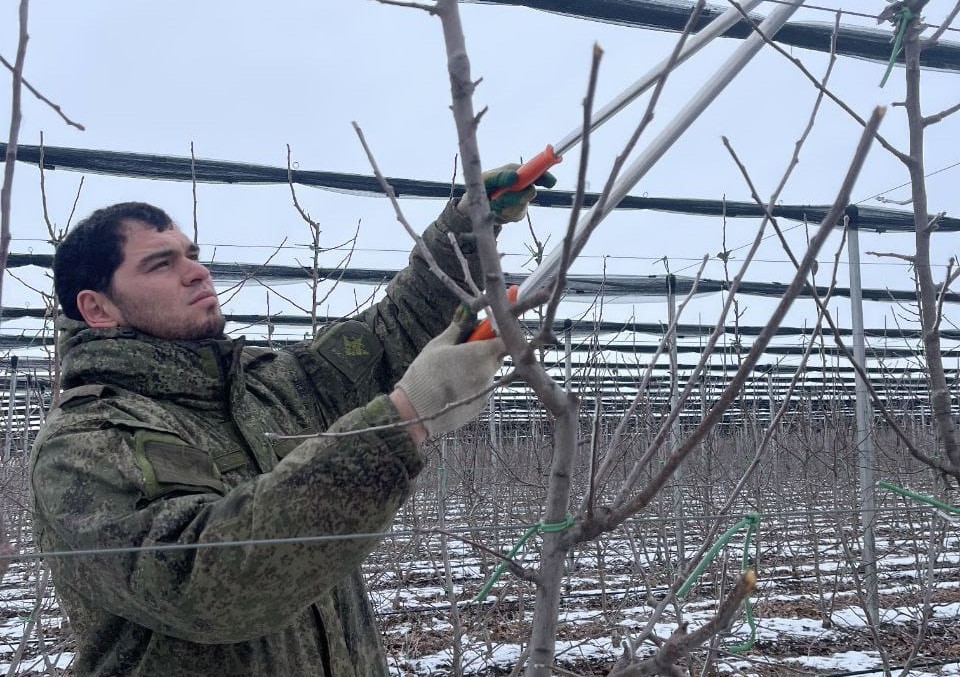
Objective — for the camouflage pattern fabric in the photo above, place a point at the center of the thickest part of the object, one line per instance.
(163, 443)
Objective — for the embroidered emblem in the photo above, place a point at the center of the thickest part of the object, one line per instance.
(353, 347)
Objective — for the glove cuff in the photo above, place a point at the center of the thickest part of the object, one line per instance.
(424, 397)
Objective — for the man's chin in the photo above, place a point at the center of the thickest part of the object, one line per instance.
(211, 328)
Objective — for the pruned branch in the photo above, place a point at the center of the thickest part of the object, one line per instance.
(681, 643)
(894, 255)
(431, 9)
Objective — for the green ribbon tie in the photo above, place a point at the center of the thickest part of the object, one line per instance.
(905, 16)
(930, 500)
(541, 527)
(750, 522)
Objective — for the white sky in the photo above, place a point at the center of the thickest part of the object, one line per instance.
(240, 80)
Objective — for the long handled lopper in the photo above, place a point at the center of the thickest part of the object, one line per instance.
(553, 154)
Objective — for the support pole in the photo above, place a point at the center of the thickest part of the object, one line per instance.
(11, 403)
(678, 511)
(25, 441)
(864, 416)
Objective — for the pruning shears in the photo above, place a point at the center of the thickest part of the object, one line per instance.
(553, 153)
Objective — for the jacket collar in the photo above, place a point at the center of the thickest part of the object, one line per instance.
(193, 371)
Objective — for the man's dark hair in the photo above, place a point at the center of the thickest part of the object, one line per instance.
(93, 250)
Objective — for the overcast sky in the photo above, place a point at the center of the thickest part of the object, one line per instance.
(241, 80)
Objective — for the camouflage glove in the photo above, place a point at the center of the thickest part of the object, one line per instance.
(512, 206)
(447, 371)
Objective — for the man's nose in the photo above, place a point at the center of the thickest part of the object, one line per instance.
(195, 272)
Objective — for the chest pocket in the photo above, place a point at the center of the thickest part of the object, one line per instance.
(170, 467)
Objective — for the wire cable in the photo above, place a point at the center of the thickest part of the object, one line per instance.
(518, 528)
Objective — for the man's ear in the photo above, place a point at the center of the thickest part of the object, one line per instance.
(98, 310)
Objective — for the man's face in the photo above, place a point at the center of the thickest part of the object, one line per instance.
(161, 288)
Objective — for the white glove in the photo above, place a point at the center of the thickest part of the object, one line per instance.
(446, 372)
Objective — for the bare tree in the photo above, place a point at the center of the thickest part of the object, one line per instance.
(560, 530)
(16, 116)
(906, 16)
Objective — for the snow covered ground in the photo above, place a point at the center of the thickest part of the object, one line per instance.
(809, 617)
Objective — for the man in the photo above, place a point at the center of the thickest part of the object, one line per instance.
(169, 456)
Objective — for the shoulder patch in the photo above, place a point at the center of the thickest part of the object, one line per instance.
(351, 348)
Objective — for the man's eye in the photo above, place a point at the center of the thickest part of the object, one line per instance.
(160, 265)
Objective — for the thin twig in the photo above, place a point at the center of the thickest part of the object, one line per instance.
(193, 182)
(421, 246)
(937, 117)
(625, 505)
(464, 265)
(511, 564)
(342, 265)
(249, 276)
(803, 69)
(578, 196)
(40, 96)
(894, 255)
(942, 28)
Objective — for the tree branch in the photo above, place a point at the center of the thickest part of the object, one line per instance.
(421, 247)
(941, 29)
(626, 507)
(40, 96)
(682, 643)
(833, 97)
(937, 117)
(11, 158)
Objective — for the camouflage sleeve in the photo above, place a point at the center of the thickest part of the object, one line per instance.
(181, 579)
(417, 306)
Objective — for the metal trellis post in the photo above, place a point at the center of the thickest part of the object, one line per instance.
(8, 434)
(864, 421)
(674, 429)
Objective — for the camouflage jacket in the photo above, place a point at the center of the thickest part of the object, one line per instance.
(163, 443)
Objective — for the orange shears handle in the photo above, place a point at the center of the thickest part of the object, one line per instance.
(530, 171)
(484, 330)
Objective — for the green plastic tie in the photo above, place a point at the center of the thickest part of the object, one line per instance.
(556, 527)
(920, 497)
(754, 519)
(750, 521)
(905, 16)
(542, 527)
